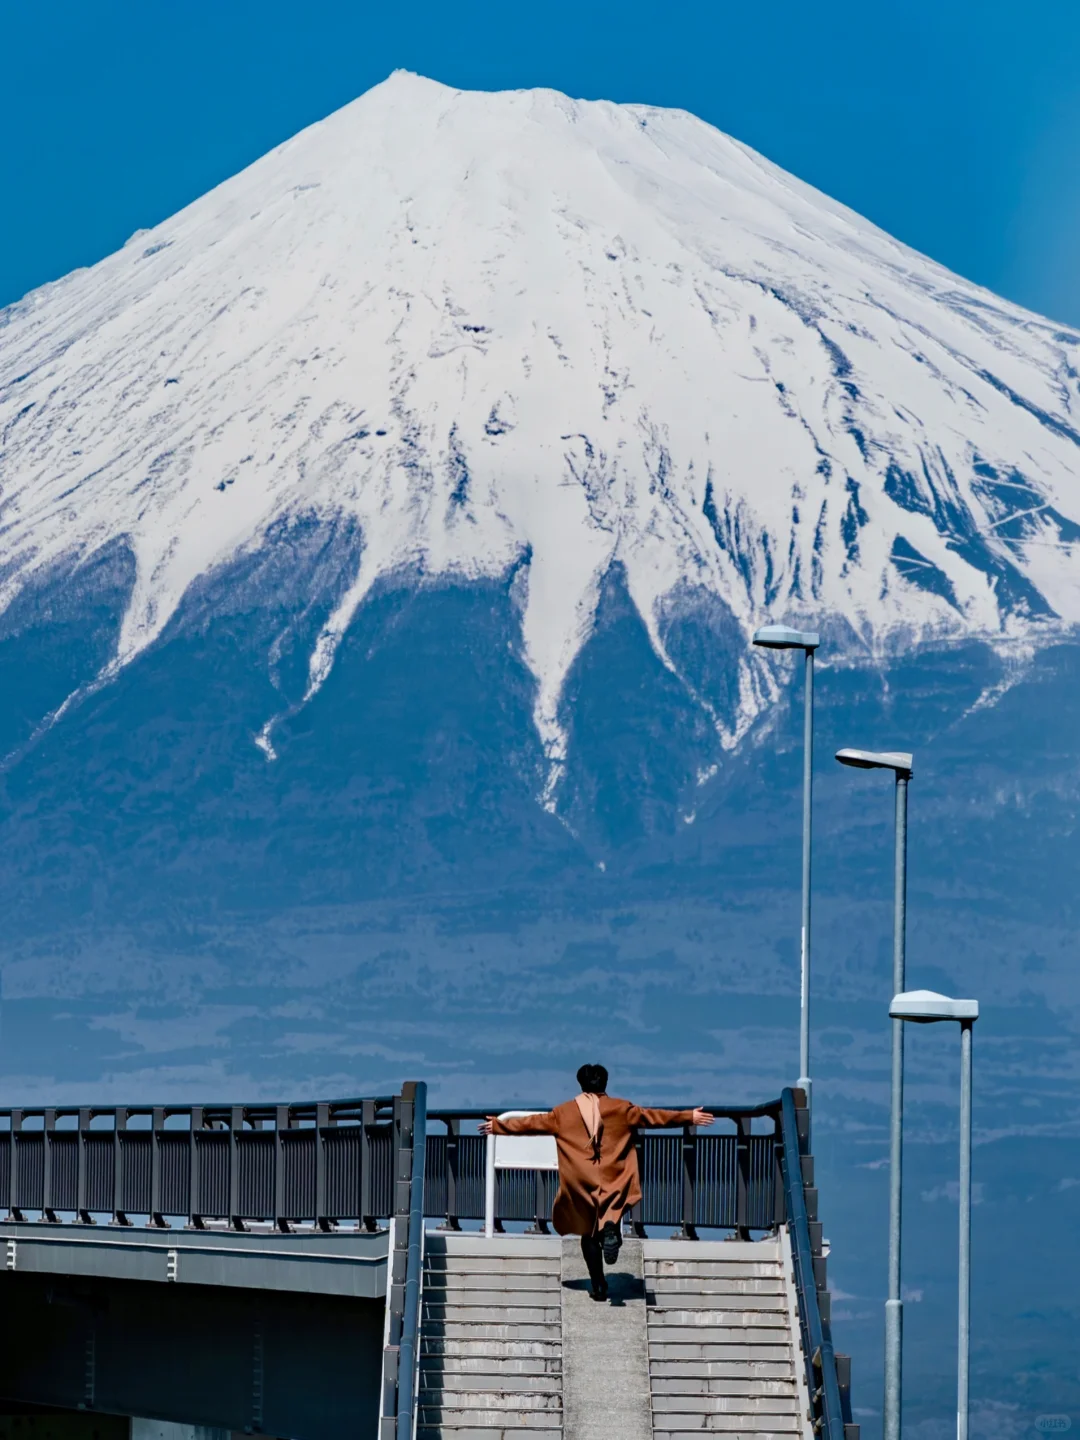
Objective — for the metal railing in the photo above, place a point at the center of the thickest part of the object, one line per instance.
(318, 1163)
(830, 1408)
(401, 1352)
(727, 1179)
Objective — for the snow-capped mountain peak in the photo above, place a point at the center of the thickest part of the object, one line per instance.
(498, 330)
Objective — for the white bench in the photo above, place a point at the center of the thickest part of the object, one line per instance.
(515, 1152)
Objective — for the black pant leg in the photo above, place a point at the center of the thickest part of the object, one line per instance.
(594, 1259)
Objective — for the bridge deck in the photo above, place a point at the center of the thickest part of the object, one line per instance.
(344, 1262)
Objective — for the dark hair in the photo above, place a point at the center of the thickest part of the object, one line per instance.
(592, 1079)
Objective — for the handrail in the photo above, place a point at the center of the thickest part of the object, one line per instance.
(408, 1367)
(205, 1111)
(821, 1376)
(321, 1162)
(725, 1112)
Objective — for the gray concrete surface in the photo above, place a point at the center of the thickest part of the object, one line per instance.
(605, 1350)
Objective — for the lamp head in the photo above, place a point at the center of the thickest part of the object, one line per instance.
(782, 637)
(926, 1006)
(897, 760)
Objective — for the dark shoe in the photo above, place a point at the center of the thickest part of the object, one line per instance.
(599, 1292)
(611, 1242)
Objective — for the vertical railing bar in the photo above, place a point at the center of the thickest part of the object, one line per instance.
(688, 1230)
(453, 1133)
(120, 1119)
(236, 1124)
(367, 1120)
(195, 1219)
(16, 1127)
(47, 1130)
(157, 1123)
(742, 1177)
(81, 1209)
(281, 1123)
(322, 1121)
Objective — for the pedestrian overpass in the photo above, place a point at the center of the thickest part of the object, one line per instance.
(316, 1272)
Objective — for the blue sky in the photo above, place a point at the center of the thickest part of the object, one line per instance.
(953, 124)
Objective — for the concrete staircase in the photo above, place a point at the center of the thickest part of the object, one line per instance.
(724, 1350)
(491, 1338)
(716, 1330)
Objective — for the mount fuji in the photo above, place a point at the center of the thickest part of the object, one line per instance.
(381, 540)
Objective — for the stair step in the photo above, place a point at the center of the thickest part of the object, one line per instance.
(442, 1382)
(713, 1285)
(745, 1385)
(698, 1300)
(498, 1350)
(495, 1312)
(727, 1317)
(493, 1330)
(733, 1369)
(725, 1404)
(490, 1364)
(526, 1402)
(666, 1343)
(447, 1281)
(492, 1264)
(451, 1430)
(734, 1269)
(686, 1427)
(507, 1417)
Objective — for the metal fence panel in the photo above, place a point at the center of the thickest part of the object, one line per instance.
(661, 1180)
(435, 1175)
(30, 1171)
(174, 1150)
(715, 1192)
(342, 1150)
(135, 1162)
(65, 1170)
(212, 1199)
(298, 1156)
(381, 1153)
(255, 1158)
(762, 1196)
(100, 1170)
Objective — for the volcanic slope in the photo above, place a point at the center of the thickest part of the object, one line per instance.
(475, 331)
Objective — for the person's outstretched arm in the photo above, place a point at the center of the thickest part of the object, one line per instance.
(545, 1123)
(642, 1119)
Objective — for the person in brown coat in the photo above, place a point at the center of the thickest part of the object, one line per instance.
(598, 1168)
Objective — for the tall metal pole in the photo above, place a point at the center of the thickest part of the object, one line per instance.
(963, 1339)
(808, 783)
(894, 1313)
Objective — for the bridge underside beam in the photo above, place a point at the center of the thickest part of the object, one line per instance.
(303, 1365)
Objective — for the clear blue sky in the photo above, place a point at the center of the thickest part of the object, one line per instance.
(955, 124)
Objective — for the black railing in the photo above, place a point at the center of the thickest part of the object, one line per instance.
(690, 1179)
(319, 1163)
(830, 1410)
(331, 1163)
(401, 1352)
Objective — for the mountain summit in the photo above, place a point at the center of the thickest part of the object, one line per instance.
(474, 331)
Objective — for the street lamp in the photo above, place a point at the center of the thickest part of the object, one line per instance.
(899, 762)
(924, 1007)
(780, 637)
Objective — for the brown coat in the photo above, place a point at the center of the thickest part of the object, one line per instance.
(596, 1182)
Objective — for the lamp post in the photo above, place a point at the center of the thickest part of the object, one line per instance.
(780, 637)
(924, 1007)
(899, 763)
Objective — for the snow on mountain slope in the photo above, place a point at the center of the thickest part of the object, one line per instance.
(495, 328)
